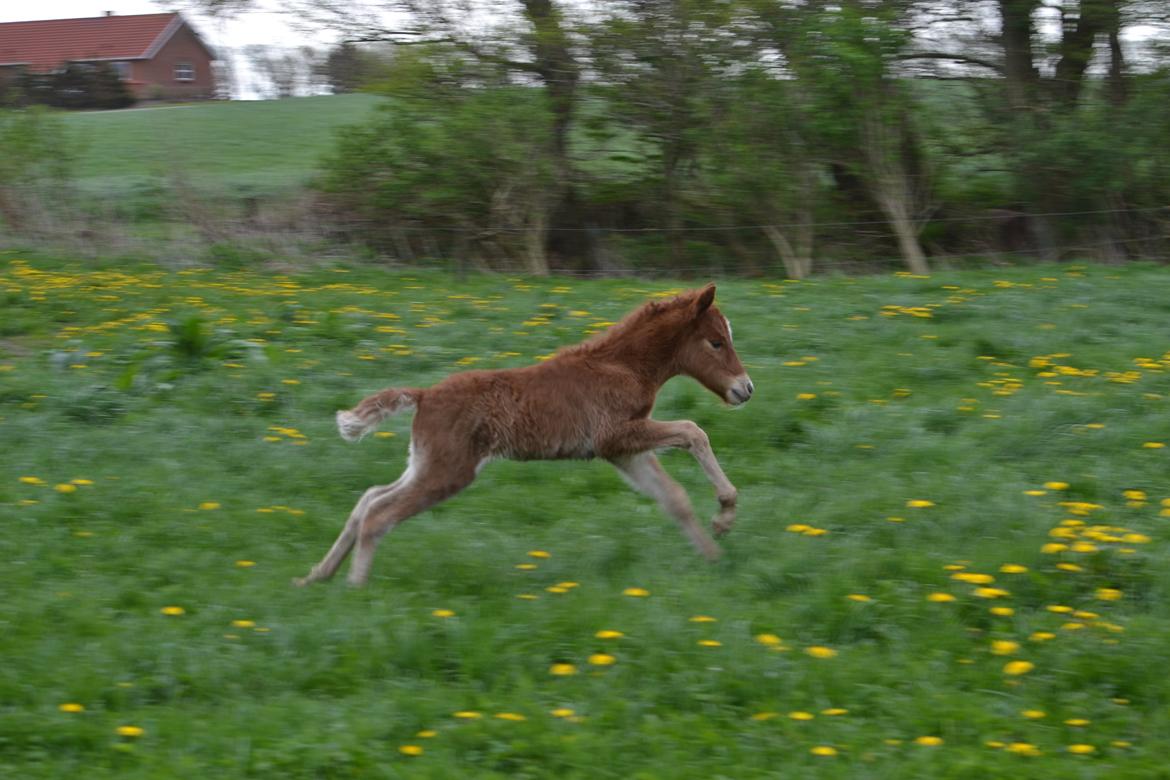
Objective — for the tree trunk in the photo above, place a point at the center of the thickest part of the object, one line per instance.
(1016, 38)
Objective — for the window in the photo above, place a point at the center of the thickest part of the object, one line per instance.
(122, 69)
(184, 71)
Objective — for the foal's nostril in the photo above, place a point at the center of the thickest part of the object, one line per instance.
(750, 388)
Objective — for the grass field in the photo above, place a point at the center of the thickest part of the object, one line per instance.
(950, 560)
(256, 147)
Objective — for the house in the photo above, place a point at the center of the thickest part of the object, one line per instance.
(159, 56)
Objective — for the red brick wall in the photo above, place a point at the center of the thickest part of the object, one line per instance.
(155, 79)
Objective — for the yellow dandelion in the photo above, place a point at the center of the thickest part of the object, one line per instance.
(703, 619)
(1034, 714)
(467, 715)
(538, 554)
(173, 611)
(208, 505)
(1013, 568)
(816, 651)
(71, 706)
(1004, 647)
(940, 598)
(1059, 609)
(1077, 722)
(1081, 749)
(1016, 668)
(770, 640)
(443, 613)
(130, 731)
(1153, 445)
(833, 711)
(512, 716)
(65, 487)
(244, 623)
(823, 750)
(562, 670)
(1002, 611)
(32, 480)
(245, 564)
(801, 715)
(1108, 594)
(609, 633)
(765, 715)
(928, 741)
(1056, 485)
(919, 503)
(636, 592)
(858, 597)
(1023, 749)
(562, 712)
(709, 643)
(526, 566)
(602, 659)
(427, 734)
(410, 750)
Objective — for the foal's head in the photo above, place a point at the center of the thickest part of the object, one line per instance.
(705, 351)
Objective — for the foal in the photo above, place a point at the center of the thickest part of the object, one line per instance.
(592, 400)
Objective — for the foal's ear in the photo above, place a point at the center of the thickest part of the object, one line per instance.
(705, 299)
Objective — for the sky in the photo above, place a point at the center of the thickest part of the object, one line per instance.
(264, 27)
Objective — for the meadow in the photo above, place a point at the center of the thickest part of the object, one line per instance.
(950, 559)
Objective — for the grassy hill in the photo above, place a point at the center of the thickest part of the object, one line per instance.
(239, 147)
(950, 558)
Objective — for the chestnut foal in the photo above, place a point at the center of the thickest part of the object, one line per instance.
(590, 400)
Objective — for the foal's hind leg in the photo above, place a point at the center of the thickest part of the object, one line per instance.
(345, 540)
(422, 489)
(646, 475)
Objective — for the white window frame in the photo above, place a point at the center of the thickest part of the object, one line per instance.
(122, 68)
(184, 70)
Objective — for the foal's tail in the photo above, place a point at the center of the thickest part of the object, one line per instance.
(363, 418)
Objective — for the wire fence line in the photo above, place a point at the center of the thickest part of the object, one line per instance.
(1004, 215)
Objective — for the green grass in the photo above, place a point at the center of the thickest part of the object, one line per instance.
(199, 404)
(241, 147)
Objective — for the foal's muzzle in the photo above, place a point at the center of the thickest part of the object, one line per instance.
(740, 391)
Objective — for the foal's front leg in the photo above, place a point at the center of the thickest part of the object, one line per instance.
(645, 474)
(646, 434)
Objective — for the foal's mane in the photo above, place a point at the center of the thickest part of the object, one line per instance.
(644, 322)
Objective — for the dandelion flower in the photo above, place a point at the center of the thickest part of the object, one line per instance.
(1078, 722)
(538, 554)
(765, 715)
(770, 640)
(919, 503)
(636, 592)
(940, 598)
(823, 750)
(858, 597)
(130, 731)
(562, 670)
(1013, 568)
(209, 505)
(801, 715)
(1002, 611)
(609, 633)
(65, 487)
(410, 750)
(243, 624)
(1016, 668)
(817, 651)
(602, 659)
(1023, 749)
(1004, 647)
(443, 613)
(427, 734)
(71, 707)
(1081, 749)
(245, 564)
(173, 611)
(512, 716)
(1034, 714)
(467, 715)
(1108, 594)
(32, 480)
(835, 711)
(929, 741)
(703, 619)
(1056, 485)
(709, 643)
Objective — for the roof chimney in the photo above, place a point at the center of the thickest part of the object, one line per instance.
(109, 13)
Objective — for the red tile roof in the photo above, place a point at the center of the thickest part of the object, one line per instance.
(45, 45)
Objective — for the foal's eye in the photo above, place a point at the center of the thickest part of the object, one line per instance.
(717, 343)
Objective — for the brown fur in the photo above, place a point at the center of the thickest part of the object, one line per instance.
(590, 400)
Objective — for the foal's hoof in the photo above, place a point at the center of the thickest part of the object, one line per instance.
(301, 582)
(722, 523)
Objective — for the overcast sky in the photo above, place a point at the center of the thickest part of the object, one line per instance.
(265, 27)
